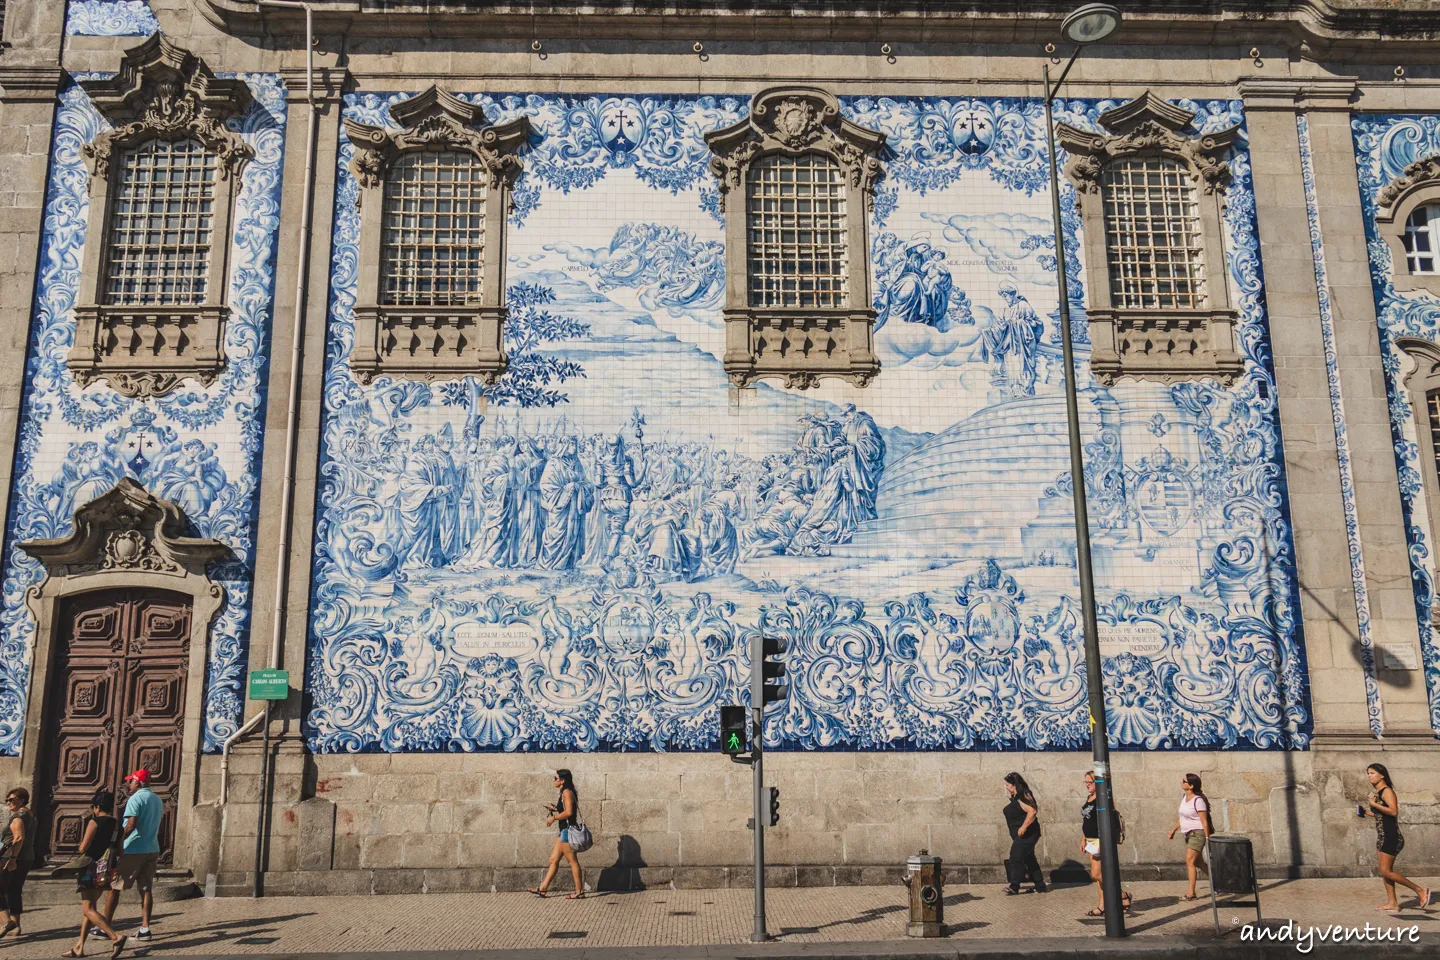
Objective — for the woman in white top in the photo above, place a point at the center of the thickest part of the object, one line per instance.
(1194, 822)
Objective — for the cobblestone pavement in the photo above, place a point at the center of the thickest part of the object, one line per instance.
(681, 917)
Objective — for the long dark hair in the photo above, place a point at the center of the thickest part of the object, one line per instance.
(567, 782)
(1384, 774)
(1194, 780)
(1022, 789)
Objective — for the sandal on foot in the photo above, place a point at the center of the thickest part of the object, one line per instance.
(1097, 912)
(537, 891)
(1425, 898)
(118, 947)
(574, 896)
(1188, 898)
(71, 953)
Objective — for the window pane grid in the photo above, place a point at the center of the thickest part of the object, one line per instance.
(1152, 235)
(434, 233)
(797, 233)
(1420, 240)
(161, 219)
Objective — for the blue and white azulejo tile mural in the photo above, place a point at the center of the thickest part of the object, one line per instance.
(110, 18)
(198, 447)
(1384, 145)
(574, 558)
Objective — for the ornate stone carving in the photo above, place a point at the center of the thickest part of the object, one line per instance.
(128, 529)
(1164, 344)
(1426, 170)
(798, 345)
(161, 92)
(1146, 126)
(422, 341)
(436, 120)
(796, 120)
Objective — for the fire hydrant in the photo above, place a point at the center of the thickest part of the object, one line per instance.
(927, 895)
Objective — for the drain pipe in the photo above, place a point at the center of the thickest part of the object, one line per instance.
(292, 415)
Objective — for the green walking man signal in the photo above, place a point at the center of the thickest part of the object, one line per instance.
(733, 723)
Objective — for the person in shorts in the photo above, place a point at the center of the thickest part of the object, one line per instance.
(141, 849)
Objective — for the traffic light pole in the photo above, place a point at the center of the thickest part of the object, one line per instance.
(757, 750)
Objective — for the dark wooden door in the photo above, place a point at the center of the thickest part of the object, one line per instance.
(117, 704)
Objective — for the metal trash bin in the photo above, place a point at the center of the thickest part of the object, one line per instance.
(927, 895)
(1232, 871)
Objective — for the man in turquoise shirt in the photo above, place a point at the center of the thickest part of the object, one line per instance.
(141, 834)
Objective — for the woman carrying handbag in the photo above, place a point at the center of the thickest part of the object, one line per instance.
(97, 856)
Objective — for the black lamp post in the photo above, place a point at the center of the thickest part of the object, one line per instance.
(1087, 24)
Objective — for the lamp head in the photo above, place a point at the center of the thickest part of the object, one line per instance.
(1091, 22)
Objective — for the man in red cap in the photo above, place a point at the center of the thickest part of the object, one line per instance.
(141, 834)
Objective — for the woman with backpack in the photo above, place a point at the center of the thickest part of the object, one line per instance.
(1195, 823)
(574, 836)
(97, 846)
(1090, 843)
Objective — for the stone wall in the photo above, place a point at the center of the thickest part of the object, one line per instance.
(454, 821)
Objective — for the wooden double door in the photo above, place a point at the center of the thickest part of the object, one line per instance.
(116, 704)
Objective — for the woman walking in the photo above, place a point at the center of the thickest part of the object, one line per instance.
(98, 845)
(1384, 806)
(1022, 816)
(565, 814)
(1195, 823)
(1090, 843)
(17, 856)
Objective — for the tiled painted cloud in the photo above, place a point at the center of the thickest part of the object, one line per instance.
(578, 566)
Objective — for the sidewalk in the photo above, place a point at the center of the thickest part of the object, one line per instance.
(978, 916)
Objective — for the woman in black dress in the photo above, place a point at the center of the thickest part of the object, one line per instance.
(1384, 806)
(97, 843)
(1090, 844)
(1022, 817)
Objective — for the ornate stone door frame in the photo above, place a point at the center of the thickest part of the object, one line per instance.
(126, 538)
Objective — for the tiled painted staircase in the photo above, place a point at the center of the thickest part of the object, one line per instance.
(970, 490)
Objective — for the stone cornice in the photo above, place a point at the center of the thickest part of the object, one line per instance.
(1265, 93)
(330, 84)
(1326, 26)
(29, 84)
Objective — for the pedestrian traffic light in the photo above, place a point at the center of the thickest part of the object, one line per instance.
(767, 671)
(732, 730)
(774, 806)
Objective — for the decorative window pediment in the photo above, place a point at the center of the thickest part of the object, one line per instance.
(164, 178)
(1407, 217)
(1151, 197)
(798, 303)
(435, 192)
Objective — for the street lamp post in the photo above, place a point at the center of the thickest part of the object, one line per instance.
(1087, 24)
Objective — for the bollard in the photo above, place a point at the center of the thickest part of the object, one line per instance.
(927, 895)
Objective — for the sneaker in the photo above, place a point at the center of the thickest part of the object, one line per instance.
(143, 933)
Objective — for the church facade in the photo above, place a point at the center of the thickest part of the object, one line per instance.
(499, 375)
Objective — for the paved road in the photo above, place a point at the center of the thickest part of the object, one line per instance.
(673, 920)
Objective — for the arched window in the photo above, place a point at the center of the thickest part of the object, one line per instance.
(797, 241)
(1419, 239)
(433, 251)
(797, 302)
(434, 192)
(152, 308)
(1152, 235)
(161, 223)
(1150, 191)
